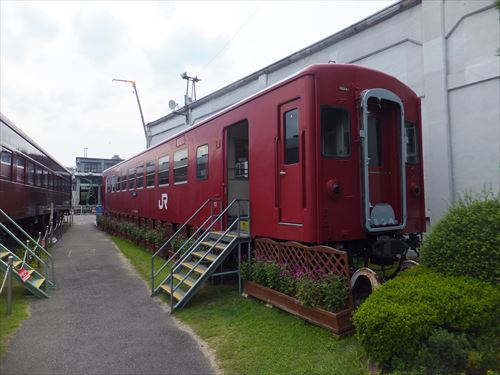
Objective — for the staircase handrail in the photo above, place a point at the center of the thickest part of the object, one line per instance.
(50, 281)
(26, 234)
(200, 209)
(179, 251)
(194, 246)
(18, 258)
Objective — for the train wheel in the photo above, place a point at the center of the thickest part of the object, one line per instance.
(407, 264)
(363, 282)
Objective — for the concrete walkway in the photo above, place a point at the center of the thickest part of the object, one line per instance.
(100, 319)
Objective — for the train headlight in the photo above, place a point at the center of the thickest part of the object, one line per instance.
(333, 188)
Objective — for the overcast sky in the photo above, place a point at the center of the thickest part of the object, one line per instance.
(58, 59)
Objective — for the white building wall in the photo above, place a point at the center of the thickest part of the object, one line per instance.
(446, 51)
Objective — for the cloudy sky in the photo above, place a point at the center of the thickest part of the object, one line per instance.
(58, 59)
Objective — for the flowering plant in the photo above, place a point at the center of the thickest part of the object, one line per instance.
(312, 288)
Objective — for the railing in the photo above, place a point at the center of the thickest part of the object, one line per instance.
(8, 279)
(37, 246)
(154, 273)
(84, 209)
(182, 258)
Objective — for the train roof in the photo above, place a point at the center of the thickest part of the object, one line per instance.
(11, 125)
(309, 70)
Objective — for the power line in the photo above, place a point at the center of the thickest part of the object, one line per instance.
(235, 34)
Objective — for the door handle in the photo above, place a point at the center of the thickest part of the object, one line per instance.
(282, 173)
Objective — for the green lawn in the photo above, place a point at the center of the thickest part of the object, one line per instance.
(21, 299)
(249, 338)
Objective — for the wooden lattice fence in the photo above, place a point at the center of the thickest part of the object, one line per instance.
(311, 260)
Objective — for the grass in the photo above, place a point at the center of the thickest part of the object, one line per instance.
(21, 300)
(249, 338)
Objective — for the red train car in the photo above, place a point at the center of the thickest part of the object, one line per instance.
(331, 155)
(31, 181)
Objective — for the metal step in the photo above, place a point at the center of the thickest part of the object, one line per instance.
(37, 283)
(209, 244)
(208, 256)
(178, 294)
(188, 281)
(198, 269)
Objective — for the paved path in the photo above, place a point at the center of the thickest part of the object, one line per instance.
(100, 319)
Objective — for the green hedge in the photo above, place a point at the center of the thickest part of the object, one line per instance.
(466, 241)
(401, 324)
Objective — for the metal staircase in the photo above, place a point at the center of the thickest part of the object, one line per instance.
(37, 280)
(35, 283)
(212, 242)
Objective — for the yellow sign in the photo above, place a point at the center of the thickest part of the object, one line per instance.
(244, 225)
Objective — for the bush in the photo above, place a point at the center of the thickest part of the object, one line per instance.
(334, 292)
(466, 240)
(397, 321)
(445, 353)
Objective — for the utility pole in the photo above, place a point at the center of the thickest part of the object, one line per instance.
(139, 104)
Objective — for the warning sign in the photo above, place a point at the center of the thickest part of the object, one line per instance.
(24, 274)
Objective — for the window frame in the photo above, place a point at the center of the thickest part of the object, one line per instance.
(185, 149)
(30, 174)
(286, 161)
(167, 170)
(205, 177)
(322, 132)
(23, 167)
(123, 182)
(131, 179)
(415, 154)
(4, 166)
(150, 164)
(139, 176)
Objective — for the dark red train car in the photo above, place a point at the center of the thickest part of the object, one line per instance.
(331, 155)
(30, 179)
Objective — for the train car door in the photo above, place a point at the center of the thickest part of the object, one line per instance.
(290, 164)
(383, 146)
(237, 170)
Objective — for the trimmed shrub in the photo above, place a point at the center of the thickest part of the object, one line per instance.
(466, 241)
(397, 321)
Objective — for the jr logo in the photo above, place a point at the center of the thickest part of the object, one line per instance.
(162, 203)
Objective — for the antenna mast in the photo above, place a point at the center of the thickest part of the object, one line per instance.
(139, 104)
(189, 79)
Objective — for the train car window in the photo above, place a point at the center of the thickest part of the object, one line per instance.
(291, 131)
(374, 141)
(108, 184)
(335, 132)
(131, 178)
(150, 174)
(20, 167)
(202, 162)
(30, 174)
(124, 181)
(6, 164)
(163, 170)
(180, 166)
(118, 182)
(38, 176)
(411, 143)
(51, 181)
(140, 176)
(45, 180)
(113, 181)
